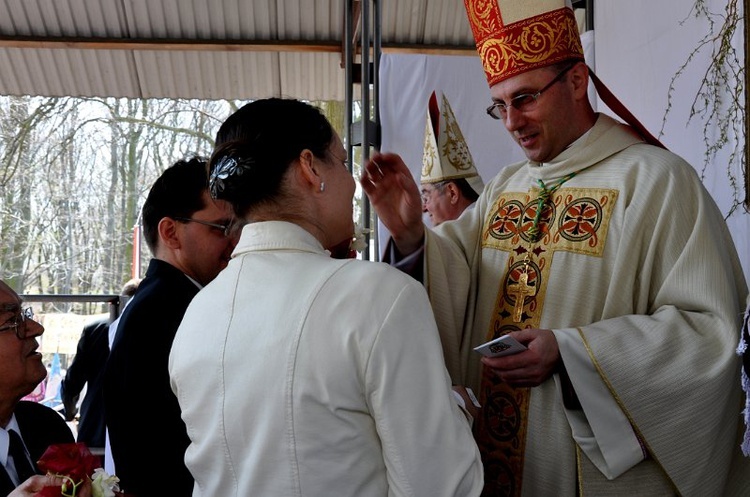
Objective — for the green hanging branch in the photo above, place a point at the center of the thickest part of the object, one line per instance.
(720, 99)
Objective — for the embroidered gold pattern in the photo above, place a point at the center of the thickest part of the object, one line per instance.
(430, 156)
(455, 148)
(574, 220)
(484, 17)
(508, 50)
(446, 154)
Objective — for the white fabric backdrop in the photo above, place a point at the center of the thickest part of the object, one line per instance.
(640, 46)
(406, 82)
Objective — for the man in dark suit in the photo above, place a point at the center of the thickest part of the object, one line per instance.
(191, 237)
(21, 369)
(88, 368)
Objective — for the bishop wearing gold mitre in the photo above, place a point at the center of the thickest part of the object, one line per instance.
(450, 182)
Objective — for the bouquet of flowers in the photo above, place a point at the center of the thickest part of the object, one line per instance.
(348, 248)
(359, 242)
(80, 469)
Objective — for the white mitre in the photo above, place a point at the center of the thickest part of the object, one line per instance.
(446, 155)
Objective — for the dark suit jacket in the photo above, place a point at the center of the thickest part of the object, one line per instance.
(88, 367)
(147, 435)
(40, 427)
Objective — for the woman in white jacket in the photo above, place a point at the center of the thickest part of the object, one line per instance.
(302, 374)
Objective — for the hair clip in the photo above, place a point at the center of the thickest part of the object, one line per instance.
(225, 168)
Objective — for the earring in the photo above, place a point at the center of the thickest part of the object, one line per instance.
(322, 186)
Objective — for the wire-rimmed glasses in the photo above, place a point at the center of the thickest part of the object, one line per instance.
(426, 193)
(523, 102)
(226, 229)
(17, 322)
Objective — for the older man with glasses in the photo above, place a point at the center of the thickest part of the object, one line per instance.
(191, 237)
(26, 428)
(450, 182)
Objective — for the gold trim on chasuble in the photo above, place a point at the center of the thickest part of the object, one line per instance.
(574, 220)
(648, 452)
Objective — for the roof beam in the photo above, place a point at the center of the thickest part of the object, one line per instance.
(167, 44)
(134, 44)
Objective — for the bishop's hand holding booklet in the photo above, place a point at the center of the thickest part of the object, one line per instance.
(500, 346)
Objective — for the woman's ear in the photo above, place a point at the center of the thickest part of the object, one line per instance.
(306, 158)
(309, 168)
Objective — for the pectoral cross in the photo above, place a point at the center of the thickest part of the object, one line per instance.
(520, 291)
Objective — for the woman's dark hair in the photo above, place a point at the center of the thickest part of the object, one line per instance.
(255, 146)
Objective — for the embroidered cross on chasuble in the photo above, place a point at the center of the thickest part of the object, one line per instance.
(573, 220)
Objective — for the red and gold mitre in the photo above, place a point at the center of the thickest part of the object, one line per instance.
(515, 36)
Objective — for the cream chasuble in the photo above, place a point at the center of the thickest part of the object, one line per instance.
(636, 274)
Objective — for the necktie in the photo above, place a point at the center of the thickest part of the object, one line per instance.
(24, 469)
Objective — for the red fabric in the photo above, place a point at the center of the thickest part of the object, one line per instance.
(618, 108)
(512, 49)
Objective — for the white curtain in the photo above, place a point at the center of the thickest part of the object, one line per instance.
(640, 46)
(406, 82)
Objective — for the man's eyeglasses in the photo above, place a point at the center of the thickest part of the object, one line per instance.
(525, 101)
(226, 229)
(17, 322)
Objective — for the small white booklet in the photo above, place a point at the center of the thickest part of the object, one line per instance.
(504, 345)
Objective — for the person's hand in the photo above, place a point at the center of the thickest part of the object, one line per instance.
(469, 405)
(69, 409)
(36, 483)
(531, 367)
(395, 197)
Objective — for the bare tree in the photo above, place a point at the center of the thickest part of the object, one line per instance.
(74, 173)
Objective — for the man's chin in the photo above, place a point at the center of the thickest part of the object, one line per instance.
(42, 375)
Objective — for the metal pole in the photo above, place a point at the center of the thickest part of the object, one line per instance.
(349, 75)
(376, 50)
(365, 99)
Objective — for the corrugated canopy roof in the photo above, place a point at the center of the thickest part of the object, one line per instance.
(205, 49)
